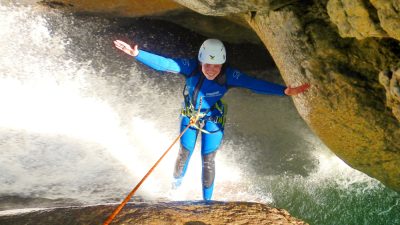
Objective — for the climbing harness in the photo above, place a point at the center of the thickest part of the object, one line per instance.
(193, 120)
(189, 110)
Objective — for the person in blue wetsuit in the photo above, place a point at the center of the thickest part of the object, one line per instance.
(207, 78)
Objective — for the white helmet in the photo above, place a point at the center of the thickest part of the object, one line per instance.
(212, 51)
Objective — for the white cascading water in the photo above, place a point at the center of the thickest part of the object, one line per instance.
(82, 122)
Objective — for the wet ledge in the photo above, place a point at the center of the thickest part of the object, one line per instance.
(185, 213)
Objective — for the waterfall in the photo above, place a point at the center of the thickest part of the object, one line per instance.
(81, 123)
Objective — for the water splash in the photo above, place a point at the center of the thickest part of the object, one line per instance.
(95, 146)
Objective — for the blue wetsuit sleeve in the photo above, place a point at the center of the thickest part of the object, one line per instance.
(160, 63)
(235, 78)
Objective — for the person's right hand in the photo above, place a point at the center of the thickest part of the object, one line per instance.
(127, 48)
(297, 90)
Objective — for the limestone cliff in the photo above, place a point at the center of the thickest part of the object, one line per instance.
(349, 51)
(179, 213)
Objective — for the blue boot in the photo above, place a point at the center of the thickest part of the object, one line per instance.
(177, 183)
(207, 192)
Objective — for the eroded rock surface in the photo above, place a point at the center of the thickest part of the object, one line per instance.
(354, 19)
(366, 18)
(391, 81)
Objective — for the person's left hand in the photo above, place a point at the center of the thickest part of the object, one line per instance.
(127, 48)
(297, 90)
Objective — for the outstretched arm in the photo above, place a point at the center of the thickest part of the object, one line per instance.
(160, 63)
(235, 78)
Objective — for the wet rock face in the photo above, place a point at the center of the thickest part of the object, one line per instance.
(182, 213)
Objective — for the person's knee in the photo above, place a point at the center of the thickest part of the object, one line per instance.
(208, 169)
(188, 145)
(209, 161)
(182, 162)
(210, 157)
